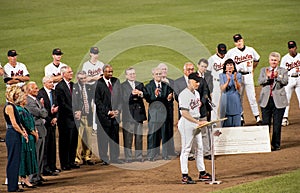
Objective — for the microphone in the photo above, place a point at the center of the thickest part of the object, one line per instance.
(212, 105)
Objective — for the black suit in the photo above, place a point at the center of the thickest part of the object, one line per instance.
(204, 94)
(157, 116)
(50, 141)
(133, 115)
(68, 134)
(108, 129)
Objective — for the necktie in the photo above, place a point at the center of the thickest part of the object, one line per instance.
(110, 87)
(159, 89)
(132, 85)
(272, 82)
(85, 101)
(50, 98)
(70, 87)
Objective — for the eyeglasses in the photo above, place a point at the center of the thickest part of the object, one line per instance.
(157, 73)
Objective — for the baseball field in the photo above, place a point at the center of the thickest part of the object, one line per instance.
(142, 34)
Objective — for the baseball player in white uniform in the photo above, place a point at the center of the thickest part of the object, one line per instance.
(15, 72)
(189, 105)
(94, 70)
(246, 60)
(215, 66)
(93, 67)
(53, 69)
(291, 62)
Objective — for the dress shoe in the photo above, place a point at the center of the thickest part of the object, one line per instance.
(37, 183)
(151, 159)
(191, 158)
(56, 171)
(275, 148)
(117, 162)
(208, 157)
(166, 158)
(50, 173)
(66, 168)
(74, 166)
(128, 161)
(140, 160)
(89, 162)
(18, 190)
(104, 163)
(43, 179)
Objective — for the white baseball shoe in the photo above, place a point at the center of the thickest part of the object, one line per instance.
(285, 121)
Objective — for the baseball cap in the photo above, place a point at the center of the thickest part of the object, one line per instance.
(12, 53)
(94, 50)
(222, 49)
(194, 76)
(237, 37)
(291, 44)
(57, 51)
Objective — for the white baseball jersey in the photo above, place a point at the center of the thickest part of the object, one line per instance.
(291, 63)
(191, 102)
(52, 70)
(19, 70)
(215, 65)
(243, 59)
(93, 69)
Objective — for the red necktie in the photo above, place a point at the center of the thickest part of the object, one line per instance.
(70, 86)
(271, 85)
(110, 87)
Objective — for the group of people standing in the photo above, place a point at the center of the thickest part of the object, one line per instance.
(98, 98)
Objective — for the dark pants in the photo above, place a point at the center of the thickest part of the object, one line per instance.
(133, 129)
(50, 149)
(13, 144)
(108, 136)
(269, 112)
(40, 146)
(170, 130)
(156, 133)
(68, 139)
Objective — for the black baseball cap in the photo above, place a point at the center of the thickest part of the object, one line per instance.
(237, 37)
(12, 53)
(57, 51)
(291, 44)
(94, 50)
(222, 49)
(194, 76)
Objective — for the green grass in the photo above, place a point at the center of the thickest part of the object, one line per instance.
(286, 183)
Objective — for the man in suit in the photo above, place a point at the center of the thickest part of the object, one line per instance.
(37, 109)
(108, 99)
(82, 100)
(179, 85)
(68, 134)
(158, 94)
(273, 99)
(133, 115)
(47, 94)
(205, 107)
(170, 110)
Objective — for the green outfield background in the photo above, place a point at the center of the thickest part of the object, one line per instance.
(35, 27)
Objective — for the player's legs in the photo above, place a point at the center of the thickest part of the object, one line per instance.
(186, 133)
(250, 91)
(289, 90)
(297, 90)
(199, 153)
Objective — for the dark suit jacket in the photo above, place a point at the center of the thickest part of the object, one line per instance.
(179, 85)
(64, 103)
(43, 94)
(204, 94)
(150, 98)
(39, 113)
(78, 104)
(133, 109)
(105, 101)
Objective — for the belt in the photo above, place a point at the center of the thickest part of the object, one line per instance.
(216, 79)
(245, 73)
(294, 75)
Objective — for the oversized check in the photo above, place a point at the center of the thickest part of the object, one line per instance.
(239, 140)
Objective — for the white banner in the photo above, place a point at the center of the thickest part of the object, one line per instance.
(238, 140)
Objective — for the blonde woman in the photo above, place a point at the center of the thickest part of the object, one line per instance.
(14, 132)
